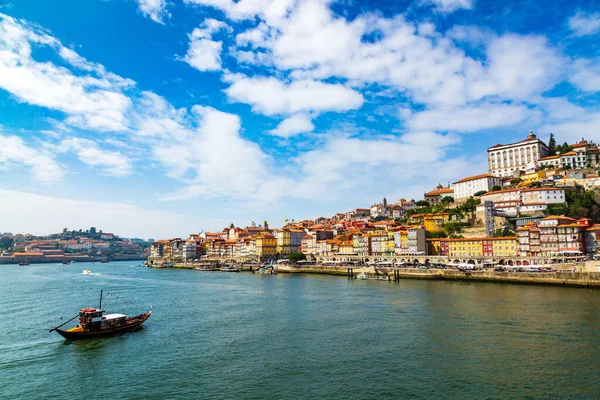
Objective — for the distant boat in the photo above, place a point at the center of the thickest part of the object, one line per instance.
(65, 262)
(229, 269)
(94, 323)
(206, 269)
(23, 263)
(104, 261)
(86, 272)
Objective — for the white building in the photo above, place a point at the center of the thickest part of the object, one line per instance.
(467, 187)
(574, 160)
(523, 201)
(550, 162)
(505, 159)
(417, 241)
(189, 250)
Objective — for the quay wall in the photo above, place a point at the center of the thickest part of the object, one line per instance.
(571, 279)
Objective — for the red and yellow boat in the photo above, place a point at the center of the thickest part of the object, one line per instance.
(93, 323)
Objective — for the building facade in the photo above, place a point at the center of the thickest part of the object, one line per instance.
(504, 160)
(467, 187)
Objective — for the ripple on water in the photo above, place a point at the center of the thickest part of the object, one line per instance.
(242, 336)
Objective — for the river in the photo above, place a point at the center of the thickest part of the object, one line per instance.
(242, 336)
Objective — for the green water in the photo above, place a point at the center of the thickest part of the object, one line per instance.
(239, 336)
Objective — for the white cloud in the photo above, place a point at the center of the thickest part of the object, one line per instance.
(156, 10)
(110, 162)
(585, 74)
(583, 23)
(92, 101)
(203, 53)
(27, 212)
(215, 160)
(469, 118)
(270, 96)
(311, 42)
(43, 168)
(448, 6)
(358, 167)
(519, 68)
(270, 10)
(292, 126)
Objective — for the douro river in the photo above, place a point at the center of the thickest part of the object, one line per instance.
(218, 335)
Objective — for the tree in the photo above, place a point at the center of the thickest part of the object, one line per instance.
(92, 230)
(496, 188)
(515, 181)
(451, 228)
(65, 230)
(470, 205)
(563, 148)
(435, 234)
(447, 200)
(480, 193)
(296, 256)
(551, 145)
(6, 243)
(422, 203)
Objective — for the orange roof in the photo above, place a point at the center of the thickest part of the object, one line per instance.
(570, 153)
(22, 253)
(478, 239)
(509, 144)
(472, 178)
(549, 158)
(501, 191)
(552, 217)
(542, 189)
(438, 192)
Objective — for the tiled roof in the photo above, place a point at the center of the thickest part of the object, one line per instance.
(472, 178)
(549, 158)
(510, 144)
(438, 192)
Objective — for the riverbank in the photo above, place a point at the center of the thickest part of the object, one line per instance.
(583, 279)
(75, 261)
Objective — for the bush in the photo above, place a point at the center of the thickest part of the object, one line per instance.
(480, 193)
(297, 256)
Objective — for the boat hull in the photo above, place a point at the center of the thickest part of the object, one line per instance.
(135, 323)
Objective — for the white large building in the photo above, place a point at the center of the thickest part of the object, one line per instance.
(505, 159)
(516, 201)
(467, 187)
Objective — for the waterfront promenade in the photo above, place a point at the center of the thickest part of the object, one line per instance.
(583, 274)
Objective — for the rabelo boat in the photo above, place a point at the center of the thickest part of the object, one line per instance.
(93, 323)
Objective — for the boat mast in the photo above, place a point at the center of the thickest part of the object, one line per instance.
(101, 290)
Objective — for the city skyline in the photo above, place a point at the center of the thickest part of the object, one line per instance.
(188, 115)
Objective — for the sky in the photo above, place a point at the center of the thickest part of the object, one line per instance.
(159, 118)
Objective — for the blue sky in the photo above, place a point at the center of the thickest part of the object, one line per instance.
(159, 118)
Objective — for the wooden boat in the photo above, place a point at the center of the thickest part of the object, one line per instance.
(206, 268)
(94, 323)
(24, 263)
(104, 261)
